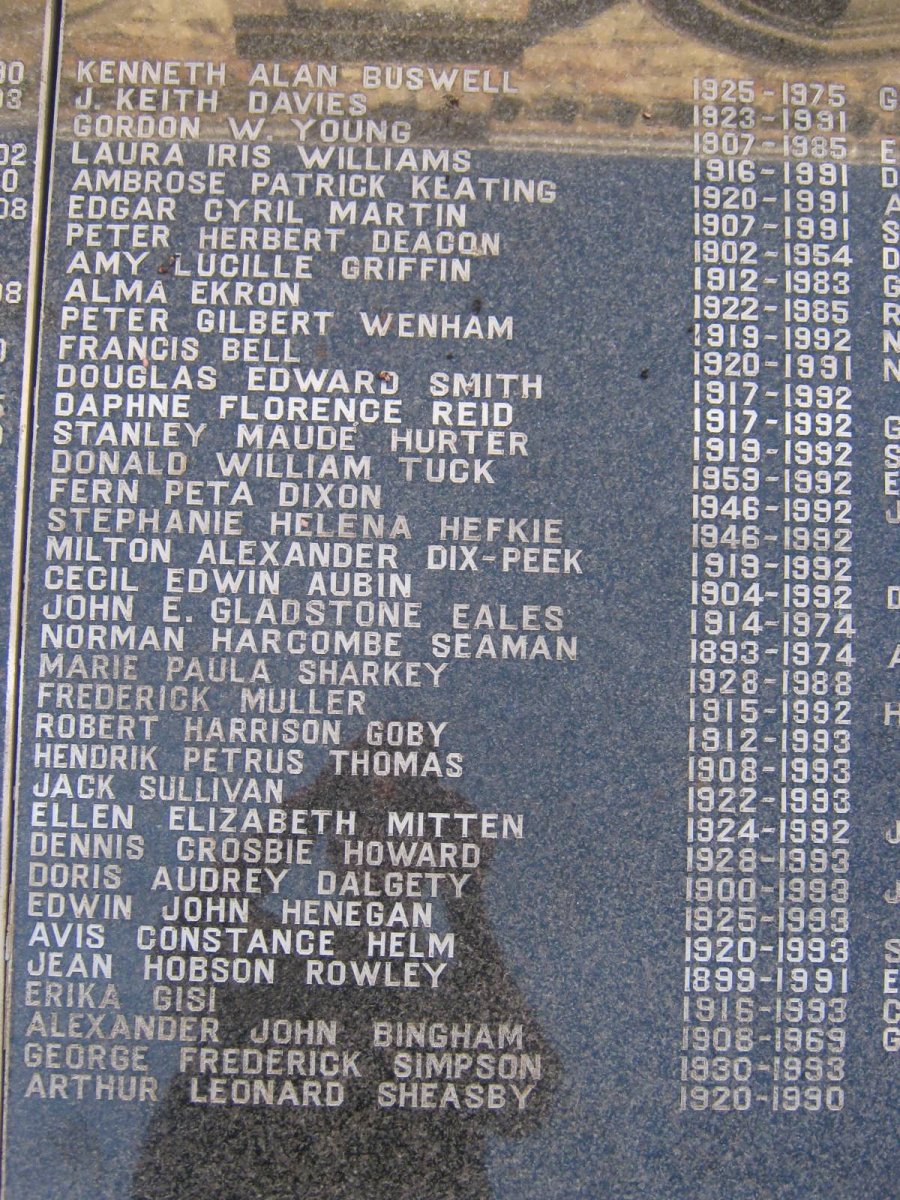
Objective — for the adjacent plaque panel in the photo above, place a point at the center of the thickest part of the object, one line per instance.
(458, 733)
(24, 86)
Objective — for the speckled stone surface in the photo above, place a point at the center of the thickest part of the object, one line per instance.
(23, 133)
(548, 1002)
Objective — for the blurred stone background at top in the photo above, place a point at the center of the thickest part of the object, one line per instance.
(617, 71)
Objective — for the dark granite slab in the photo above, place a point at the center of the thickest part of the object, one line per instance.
(460, 536)
(25, 48)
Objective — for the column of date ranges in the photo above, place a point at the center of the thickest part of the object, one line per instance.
(887, 408)
(766, 970)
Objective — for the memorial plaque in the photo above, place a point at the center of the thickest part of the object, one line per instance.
(458, 723)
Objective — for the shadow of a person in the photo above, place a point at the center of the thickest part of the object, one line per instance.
(469, 1050)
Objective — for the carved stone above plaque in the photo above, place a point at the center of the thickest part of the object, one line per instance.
(457, 725)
